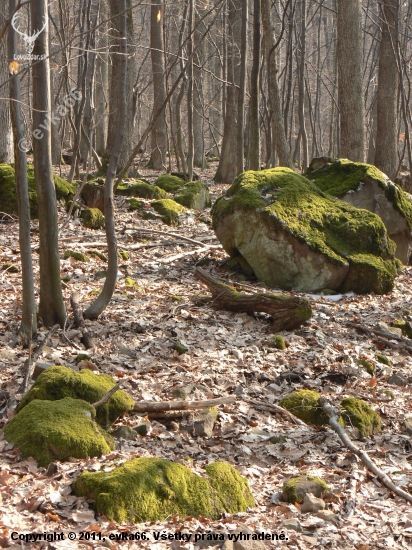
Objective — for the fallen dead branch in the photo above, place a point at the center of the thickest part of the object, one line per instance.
(79, 321)
(161, 406)
(108, 395)
(383, 336)
(288, 312)
(277, 409)
(29, 363)
(177, 236)
(363, 455)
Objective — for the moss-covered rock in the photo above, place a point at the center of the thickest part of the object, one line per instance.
(367, 365)
(194, 195)
(93, 195)
(405, 327)
(295, 236)
(152, 489)
(10, 267)
(97, 253)
(170, 184)
(305, 405)
(295, 489)
(381, 358)
(123, 255)
(57, 430)
(8, 194)
(169, 210)
(141, 189)
(357, 412)
(58, 382)
(92, 218)
(277, 341)
(78, 256)
(135, 204)
(180, 348)
(364, 186)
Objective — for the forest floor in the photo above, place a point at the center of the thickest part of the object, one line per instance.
(226, 355)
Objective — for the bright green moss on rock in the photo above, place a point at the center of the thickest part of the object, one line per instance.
(58, 382)
(57, 430)
(152, 489)
(78, 256)
(135, 204)
(141, 189)
(194, 195)
(305, 405)
(169, 210)
(358, 413)
(295, 489)
(171, 184)
(277, 341)
(367, 365)
(297, 237)
(123, 255)
(64, 189)
(92, 218)
(405, 327)
(383, 359)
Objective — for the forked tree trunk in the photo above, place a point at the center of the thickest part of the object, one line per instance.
(51, 309)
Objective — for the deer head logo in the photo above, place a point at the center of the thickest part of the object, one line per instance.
(30, 40)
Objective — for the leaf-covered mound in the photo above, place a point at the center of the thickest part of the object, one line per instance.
(365, 186)
(8, 194)
(152, 489)
(297, 237)
(57, 430)
(58, 382)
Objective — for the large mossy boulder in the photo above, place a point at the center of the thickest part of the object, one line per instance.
(195, 195)
(295, 489)
(142, 190)
(364, 186)
(169, 210)
(297, 237)
(8, 194)
(58, 382)
(169, 183)
(152, 489)
(357, 412)
(57, 430)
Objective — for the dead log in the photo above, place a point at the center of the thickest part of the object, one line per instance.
(79, 321)
(288, 312)
(161, 406)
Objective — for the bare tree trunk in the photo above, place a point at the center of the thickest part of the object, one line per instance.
(102, 83)
(254, 147)
(301, 85)
(28, 326)
(6, 134)
(240, 131)
(198, 117)
(386, 154)
(120, 59)
(275, 105)
(158, 141)
(190, 133)
(351, 102)
(52, 309)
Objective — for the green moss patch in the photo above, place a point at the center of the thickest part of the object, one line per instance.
(358, 413)
(171, 184)
(152, 489)
(58, 382)
(405, 327)
(92, 218)
(295, 489)
(10, 267)
(169, 210)
(383, 359)
(367, 365)
(57, 430)
(305, 405)
(135, 204)
(78, 256)
(278, 206)
(277, 341)
(141, 189)
(194, 195)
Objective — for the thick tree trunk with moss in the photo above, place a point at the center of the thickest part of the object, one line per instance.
(28, 327)
(52, 309)
(350, 85)
(386, 149)
(288, 312)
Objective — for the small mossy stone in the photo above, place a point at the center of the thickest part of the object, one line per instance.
(64, 189)
(57, 430)
(10, 267)
(129, 283)
(171, 184)
(152, 489)
(194, 195)
(58, 382)
(141, 189)
(78, 256)
(405, 327)
(92, 218)
(383, 359)
(367, 365)
(181, 348)
(305, 405)
(357, 412)
(123, 255)
(277, 341)
(169, 210)
(135, 204)
(97, 253)
(295, 489)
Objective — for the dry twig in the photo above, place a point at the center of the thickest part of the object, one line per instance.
(160, 406)
(108, 395)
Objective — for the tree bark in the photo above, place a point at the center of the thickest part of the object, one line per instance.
(120, 24)
(6, 134)
(351, 101)
(51, 309)
(386, 149)
(254, 147)
(190, 132)
(102, 83)
(240, 130)
(198, 119)
(28, 326)
(288, 312)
